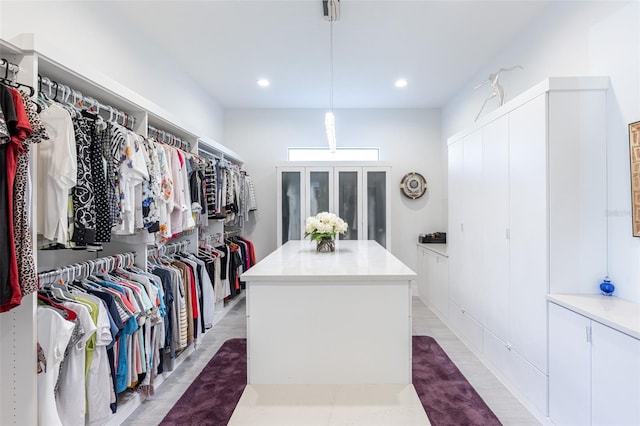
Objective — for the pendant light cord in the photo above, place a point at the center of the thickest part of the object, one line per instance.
(332, 15)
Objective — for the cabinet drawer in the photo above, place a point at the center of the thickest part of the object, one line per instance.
(466, 326)
(519, 374)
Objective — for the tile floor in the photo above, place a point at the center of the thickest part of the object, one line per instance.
(506, 407)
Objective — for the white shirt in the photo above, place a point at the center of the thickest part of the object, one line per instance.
(133, 170)
(72, 388)
(57, 173)
(99, 383)
(54, 333)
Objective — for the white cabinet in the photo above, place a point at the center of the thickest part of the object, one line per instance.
(615, 377)
(517, 229)
(357, 192)
(594, 372)
(433, 278)
(569, 367)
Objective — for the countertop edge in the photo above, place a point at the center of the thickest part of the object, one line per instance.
(328, 278)
(575, 303)
(438, 248)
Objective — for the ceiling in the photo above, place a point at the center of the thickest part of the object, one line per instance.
(436, 45)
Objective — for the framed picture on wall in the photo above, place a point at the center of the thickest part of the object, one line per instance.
(634, 156)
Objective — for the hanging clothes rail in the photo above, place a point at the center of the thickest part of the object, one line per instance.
(168, 249)
(86, 268)
(64, 93)
(168, 138)
(208, 155)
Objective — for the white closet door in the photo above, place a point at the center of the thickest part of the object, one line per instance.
(473, 293)
(528, 231)
(495, 218)
(454, 232)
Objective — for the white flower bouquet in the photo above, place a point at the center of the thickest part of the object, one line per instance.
(324, 226)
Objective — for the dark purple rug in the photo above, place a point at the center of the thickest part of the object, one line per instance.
(447, 397)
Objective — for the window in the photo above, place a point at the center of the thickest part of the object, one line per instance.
(341, 154)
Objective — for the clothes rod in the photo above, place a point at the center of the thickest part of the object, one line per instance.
(79, 101)
(87, 268)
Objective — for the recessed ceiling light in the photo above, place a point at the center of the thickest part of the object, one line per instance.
(401, 82)
(263, 82)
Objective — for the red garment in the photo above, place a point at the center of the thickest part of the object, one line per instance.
(194, 294)
(19, 134)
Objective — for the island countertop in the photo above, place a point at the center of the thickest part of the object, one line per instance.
(352, 261)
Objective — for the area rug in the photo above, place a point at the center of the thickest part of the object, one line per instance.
(447, 397)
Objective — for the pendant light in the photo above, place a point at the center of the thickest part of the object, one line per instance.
(331, 12)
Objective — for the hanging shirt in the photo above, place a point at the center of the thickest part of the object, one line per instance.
(57, 173)
(71, 396)
(131, 172)
(54, 333)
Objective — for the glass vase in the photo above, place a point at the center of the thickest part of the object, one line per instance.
(326, 245)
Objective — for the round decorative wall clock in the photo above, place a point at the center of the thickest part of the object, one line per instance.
(413, 185)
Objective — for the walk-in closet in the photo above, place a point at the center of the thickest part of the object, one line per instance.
(338, 212)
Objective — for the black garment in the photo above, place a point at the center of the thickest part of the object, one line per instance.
(99, 131)
(8, 110)
(83, 194)
(165, 277)
(5, 286)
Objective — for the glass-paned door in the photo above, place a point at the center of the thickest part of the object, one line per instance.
(376, 206)
(319, 189)
(349, 191)
(291, 207)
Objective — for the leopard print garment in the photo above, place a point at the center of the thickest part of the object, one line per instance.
(21, 221)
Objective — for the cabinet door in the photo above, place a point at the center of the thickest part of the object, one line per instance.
(432, 278)
(348, 189)
(495, 218)
(423, 275)
(528, 269)
(455, 241)
(569, 367)
(472, 283)
(376, 208)
(319, 190)
(615, 377)
(441, 296)
(290, 204)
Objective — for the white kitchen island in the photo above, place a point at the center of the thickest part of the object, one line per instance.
(329, 318)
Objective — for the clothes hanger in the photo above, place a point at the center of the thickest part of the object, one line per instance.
(11, 81)
(66, 313)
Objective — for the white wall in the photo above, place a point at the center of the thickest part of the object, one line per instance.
(408, 139)
(115, 48)
(579, 38)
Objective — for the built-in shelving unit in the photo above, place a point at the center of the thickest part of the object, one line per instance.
(18, 332)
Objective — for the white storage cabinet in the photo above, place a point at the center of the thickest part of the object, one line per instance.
(527, 198)
(594, 372)
(433, 278)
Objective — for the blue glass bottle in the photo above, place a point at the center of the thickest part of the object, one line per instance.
(606, 287)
